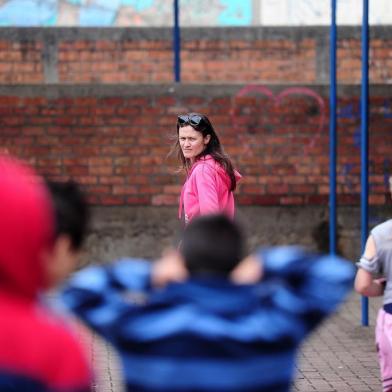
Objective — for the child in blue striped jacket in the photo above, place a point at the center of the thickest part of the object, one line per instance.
(200, 319)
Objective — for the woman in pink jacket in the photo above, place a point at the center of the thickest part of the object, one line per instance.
(211, 179)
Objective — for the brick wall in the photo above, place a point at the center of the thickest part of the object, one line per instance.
(244, 55)
(115, 139)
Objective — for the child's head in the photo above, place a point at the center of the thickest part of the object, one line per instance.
(212, 245)
(26, 228)
(71, 218)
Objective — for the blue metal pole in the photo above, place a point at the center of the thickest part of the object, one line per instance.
(332, 133)
(177, 42)
(364, 142)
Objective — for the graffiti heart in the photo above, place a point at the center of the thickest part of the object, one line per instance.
(276, 99)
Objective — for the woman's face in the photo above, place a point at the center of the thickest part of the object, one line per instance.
(192, 142)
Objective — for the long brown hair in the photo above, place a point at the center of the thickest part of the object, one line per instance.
(213, 148)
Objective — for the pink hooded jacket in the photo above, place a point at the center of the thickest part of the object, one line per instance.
(206, 190)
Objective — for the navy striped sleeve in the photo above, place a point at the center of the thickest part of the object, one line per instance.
(310, 284)
(101, 295)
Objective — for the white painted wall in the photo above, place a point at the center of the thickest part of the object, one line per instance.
(318, 12)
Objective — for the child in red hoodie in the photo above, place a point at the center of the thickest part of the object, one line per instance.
(37, 352)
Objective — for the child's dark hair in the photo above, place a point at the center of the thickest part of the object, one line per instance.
(212, 245)
(71, 211)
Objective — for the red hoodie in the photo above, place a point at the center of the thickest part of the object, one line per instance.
(207, 190)
(36, 351)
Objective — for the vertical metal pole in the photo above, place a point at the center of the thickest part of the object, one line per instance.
(332, 133)
(364, 142)
(176, 42)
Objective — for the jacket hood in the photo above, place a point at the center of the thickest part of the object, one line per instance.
(209, 160)
(26, 228)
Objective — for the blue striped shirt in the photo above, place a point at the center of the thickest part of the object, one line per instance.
(208, 334)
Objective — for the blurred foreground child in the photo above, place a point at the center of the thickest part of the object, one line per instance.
(37, 352)
(202, 320)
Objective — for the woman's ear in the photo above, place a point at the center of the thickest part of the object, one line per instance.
(207, 139)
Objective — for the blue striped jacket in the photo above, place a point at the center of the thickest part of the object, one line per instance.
(209, 334)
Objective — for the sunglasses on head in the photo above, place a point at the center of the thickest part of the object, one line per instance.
(192, 119)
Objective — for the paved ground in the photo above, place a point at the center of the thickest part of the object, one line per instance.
(339, 357)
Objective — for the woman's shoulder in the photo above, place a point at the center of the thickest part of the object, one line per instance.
(203, 168)
(205, 163)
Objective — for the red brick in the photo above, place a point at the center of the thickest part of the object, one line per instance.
(99, 161)
(86, 180)
(128, 111)
(114, 150)
(138, 200)
(159, 200)
(78, 171)
(111, 180)
(102, 111)
(100, 170)
(13, 121)
(111, 200)
(85, 101)
(288, 200)
(302, 189)
(267, 200)
(99, 140)
(90, 121)
(7, 131)
(149, 140)
(128, 171)
(377, 199)
(153, 160)
(98, 189)
(86, 151)
(57, 130)
(34, 101)
(125, 190)
(149, 189)
(9, 101)
(78, 110)
(317, 199)
(21, 140)
(35, 150)
(253, 189)
(280, 189)
(161, 179)
(79, 161)
(76, 140)
(50, 171)
(49, 162)
(172, 189)
(130, 140)
(64, 120)
(348, 199)
(51, 111)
